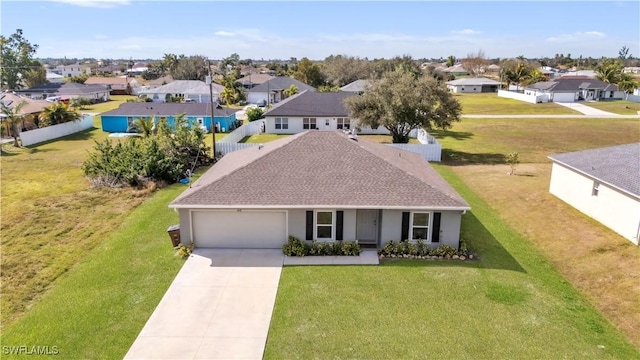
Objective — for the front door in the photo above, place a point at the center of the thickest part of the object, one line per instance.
(367, 226)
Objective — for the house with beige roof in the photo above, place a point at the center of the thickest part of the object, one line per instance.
(322, 186)
(116, 85)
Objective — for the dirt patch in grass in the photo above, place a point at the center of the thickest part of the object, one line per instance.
(600, 263)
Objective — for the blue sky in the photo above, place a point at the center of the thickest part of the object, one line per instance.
(269, 30)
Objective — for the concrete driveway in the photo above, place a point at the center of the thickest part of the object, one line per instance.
(585, 109)
(218, 307)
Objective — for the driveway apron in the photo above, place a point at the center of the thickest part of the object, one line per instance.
(219, 306)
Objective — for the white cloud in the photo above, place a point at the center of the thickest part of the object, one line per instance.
(224, 33)
(467, 32)
(102, 4)
(578, 36)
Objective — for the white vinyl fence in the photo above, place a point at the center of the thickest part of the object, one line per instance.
(243, 131)
(634, 98)
(55, 131)
(430, 152)
(534, 99)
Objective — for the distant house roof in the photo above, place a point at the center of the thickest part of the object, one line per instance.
(108, 80)
(311, 103)
(493, 67)
(455, 69)
(254, 79)
(357, 86)
(185, 87)
(573, 83)
(66, 89)
(473, 81)
(53, 76)
(318, 169)
(168, 109)
(281, 83)
(31, 106)
(163, 80)
(617, 166)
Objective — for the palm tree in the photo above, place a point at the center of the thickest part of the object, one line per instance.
(609, 71)
(145, 126)
(58, 113)
(228, 95)
(292, 90)
(12, 117)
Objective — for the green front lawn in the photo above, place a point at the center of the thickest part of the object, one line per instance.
(97, 310)
(510, 303)
(114, 103)
(262, 138)
(492, 104)
(622, 107)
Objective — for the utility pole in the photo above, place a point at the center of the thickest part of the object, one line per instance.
(209, 80)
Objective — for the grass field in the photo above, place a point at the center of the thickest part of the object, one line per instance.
(509, 304)
(114, 103)
(600, 263)
(622, 107)
(492, 104)
(262, 138)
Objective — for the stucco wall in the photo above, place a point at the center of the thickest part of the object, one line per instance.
(618, 211)
(322, 123)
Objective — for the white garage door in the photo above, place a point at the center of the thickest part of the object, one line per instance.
(564, 97)
(239, 229)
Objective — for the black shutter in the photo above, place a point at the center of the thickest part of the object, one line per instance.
(405, 226)
(435, 232)
(339, 222)
(310, 225)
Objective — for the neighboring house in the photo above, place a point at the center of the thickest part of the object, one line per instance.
(94, 93)
(473, 85)
(603, 184)
(30, 110)
(137, 69)
(113, 69)
(72, 70)
(272, 91)
(311, 110)
(493, 68)
(116, 85)
(549, 72)
(193, 90)
(631, 70)
(320, 186)
(456, 70)
(122, 118)
(358, 86)
(252, 80)
(54, 78)
(575, 88)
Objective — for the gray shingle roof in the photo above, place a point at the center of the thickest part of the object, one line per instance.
(356, 86)
(66, 89)
(185, 87)
(473, 81)
(321, 169)
(618, 166)
(281, 83)
(312, 104)
(168, 109)
(573, 84)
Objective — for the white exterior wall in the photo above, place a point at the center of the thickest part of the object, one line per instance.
(465, 88)
(296, 126)
(298, 223)
(620, 212)
(256, 97)
(391, 226)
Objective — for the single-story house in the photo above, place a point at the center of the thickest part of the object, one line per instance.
(116, 85)
(473, 85)
(322, 186)
(272, 91)
(631, 70)
(311, 110)
(456, 70)
(358, 86)
(54, 78)
(252, 80)
(602, 183)
(94, 93)
(30, 110)
(193, 90)
(122, 118)
(575, 88)
(137, 69)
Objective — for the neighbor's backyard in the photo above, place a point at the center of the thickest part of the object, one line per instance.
(492, 104)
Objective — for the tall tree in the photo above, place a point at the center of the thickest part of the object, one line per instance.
(191, 68)
(400, 103)
(35, 76)
(17, 59)
(309, 73)
(451, 60)
(170, 62)
(12, 117)
(58, 113)
(340, 70)
(475, 63)
(624, 53)
(609, 70)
